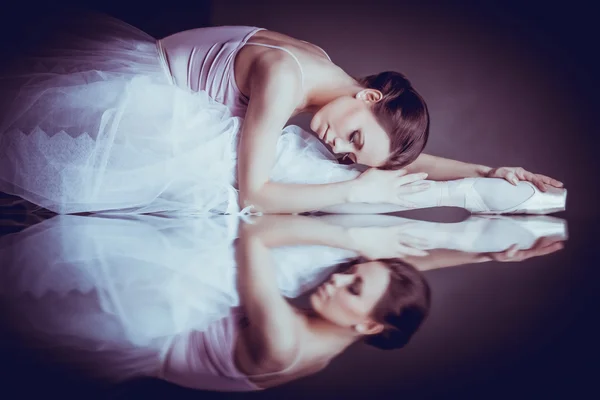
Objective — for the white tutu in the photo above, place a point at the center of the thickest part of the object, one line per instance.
(97, 126)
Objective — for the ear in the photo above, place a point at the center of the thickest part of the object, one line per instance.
(369, 95)
(369, 328)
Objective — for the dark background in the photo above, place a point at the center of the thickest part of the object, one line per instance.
(507, 83)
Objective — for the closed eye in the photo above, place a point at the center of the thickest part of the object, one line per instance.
(353, 137)
(355, 287)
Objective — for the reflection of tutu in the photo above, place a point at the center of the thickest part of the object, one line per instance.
(111, 291)
(97, 126)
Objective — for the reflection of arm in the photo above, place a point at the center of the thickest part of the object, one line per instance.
(271, 335)
(296, 230)
(363, 208)
(270, 340)
(441, 258)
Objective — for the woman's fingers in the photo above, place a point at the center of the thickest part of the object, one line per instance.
(546, 180)
(512, 177)
(408, 189)
(549, 249)
(400, 172)
(405, 184)
(533, 178)
(411, 251)
(539, 184)
(512, 251)
(410, 178)
(541, 247)
(550, 181)
(539, 180)
(412, 241)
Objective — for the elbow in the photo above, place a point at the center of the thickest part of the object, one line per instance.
(255, 200)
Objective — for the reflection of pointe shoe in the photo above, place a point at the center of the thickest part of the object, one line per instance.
(490, 233)
(505, 231)
(487, 233)
(551, 201)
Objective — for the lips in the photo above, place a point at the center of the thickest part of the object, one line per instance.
(325, 290)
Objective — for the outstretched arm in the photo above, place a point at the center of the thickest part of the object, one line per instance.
(445, 169)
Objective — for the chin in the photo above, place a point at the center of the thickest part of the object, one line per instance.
(318, 120)
(313, 124)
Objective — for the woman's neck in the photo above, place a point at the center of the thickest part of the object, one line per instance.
(324, 339)
(329, 85)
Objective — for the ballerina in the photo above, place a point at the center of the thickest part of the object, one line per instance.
(113, 119)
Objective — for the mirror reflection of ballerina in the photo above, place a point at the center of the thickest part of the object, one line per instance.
(382, 301)
(152, 297)
(157, 297)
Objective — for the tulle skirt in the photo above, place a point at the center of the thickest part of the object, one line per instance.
(93, 124)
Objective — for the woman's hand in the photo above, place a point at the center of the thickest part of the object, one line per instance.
(379, 186)
(387, 242)
(516, 174)
(543, 246)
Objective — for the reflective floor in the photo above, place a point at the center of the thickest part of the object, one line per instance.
(501, 321)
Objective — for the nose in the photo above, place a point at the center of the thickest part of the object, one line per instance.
(340, 146)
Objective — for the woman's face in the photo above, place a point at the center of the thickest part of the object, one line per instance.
(347, 299)
(349, 127)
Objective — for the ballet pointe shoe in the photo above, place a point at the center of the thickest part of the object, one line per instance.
(539, 203)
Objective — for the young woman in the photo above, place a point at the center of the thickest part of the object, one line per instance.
(108, 118)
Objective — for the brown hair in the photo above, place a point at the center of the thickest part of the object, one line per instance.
(403, 114)
(403, 307)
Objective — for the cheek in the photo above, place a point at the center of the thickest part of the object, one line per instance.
(341, 309)
(345, 308)
(344, 124)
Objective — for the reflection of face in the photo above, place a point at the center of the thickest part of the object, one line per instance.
(348, 298)
(349, 126)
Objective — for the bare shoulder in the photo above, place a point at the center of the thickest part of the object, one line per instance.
(276, 352)
(261, 67)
